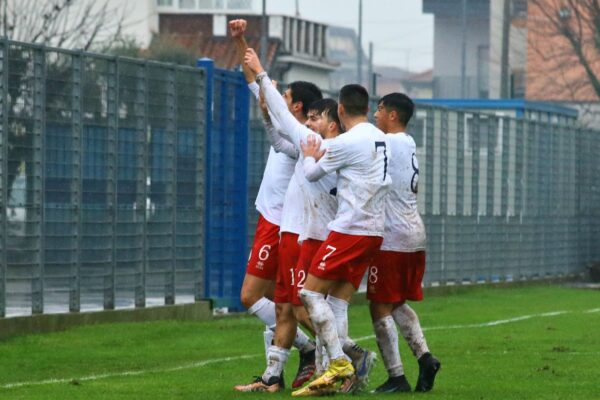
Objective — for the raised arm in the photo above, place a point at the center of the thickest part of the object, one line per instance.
(290, 126)
(279, 143)
(237, 28)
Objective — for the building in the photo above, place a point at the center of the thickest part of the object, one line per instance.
(296, 48)
(495, 42)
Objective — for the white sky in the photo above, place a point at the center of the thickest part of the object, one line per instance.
(402, 35)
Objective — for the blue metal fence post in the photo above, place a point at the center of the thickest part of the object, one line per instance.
(242, 121)
(209, 65)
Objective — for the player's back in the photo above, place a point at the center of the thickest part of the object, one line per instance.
(404, 228)
(360, 157)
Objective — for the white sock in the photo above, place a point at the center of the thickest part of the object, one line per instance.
(387, 341)
(323, 321)
(264, 309)
(302, 342)
(409, 325)
(339, 308)
(268, 335)
(277, 357)
(321, 359)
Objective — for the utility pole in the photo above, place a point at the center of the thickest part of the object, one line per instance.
(263, 35)
(370, 75)
(504, 59)
(359, 59)
(463, 66)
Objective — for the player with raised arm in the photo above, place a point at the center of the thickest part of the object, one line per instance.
(261, 272)
(359, 157)
(396, 273)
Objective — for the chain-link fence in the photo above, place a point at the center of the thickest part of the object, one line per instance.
(102, 181)
(503, 199)
(115, 196)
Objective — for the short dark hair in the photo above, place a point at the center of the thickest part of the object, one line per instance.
(329, 108)
(306, 92)
(355, 99)
(400, 103)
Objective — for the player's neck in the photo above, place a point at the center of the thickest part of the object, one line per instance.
(396, 129)
(351, 122)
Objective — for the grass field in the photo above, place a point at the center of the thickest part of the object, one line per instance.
(532, 342)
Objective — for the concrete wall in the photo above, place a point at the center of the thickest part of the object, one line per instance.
(58, 322)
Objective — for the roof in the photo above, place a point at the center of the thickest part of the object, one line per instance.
(518, 105)
(222, 51)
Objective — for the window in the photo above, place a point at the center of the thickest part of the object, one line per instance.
(168, 3)
(187, 4)
(519, 8)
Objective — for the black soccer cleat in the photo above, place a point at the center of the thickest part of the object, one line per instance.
(306, 368)
(428, 368)
(394, 384)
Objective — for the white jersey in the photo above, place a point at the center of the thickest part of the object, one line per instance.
(318, 203)
(292, 217)
(404, 228)
(276, 177)
(360, 157)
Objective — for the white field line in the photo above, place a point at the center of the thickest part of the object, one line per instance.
(200, 364)
(197, 364)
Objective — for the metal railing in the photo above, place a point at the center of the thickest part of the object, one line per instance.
(102, 181)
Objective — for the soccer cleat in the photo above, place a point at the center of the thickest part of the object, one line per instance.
(393, 385)
(338, 370)
(307, 391)
(428, 368)
(274, 385)
(306, 369)
(363, 368)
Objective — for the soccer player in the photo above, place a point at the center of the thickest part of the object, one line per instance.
(359, 157)
(396, 274)
(261, 272)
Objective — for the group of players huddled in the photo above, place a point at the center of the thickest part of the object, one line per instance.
(337, 200)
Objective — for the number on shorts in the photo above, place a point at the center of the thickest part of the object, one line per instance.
(301, 278)
(263, 254)
(373, 274)
(330, 253)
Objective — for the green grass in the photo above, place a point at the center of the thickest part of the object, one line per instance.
(551, 357)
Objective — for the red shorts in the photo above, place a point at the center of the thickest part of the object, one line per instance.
(262, 261)
(396, 277)
(345, 257)
(308, 249)
(289, 250)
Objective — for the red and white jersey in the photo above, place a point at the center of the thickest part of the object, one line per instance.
(404, 228)
(318, 204)
(276, 177)
(360, 157)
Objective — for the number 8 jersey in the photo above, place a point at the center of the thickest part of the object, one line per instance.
(404, 228)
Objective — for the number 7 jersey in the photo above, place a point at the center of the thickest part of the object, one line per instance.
(360, 157)
(404, 228)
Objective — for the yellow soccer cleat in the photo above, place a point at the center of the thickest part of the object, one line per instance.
(307, 391)
(338, 370)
